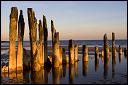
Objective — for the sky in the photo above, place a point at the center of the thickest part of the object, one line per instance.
(77, 20)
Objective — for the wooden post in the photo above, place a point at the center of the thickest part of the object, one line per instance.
(12, 38)
(56, 50)
(85, 53)
(106, 56)
(76, 52)
(71, 52)
(45, 38)
(96, 58)
(53, 30)
(102, 52)
(32, 21)
(106, 48)
(60, 50)
(21, 26)
(41, 42)
(113, 48)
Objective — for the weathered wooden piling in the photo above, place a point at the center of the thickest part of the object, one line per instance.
(21, 26)
(53, 30)
(106, 48)
(113, 48)
(96, 58)
(32, 21)
(56, 51)
(76, 52)
(85, 53)
(96, 53)
(41, 42)
(60, 50)
(71, 52)
(12, 38)
(45, 39)
(106, 56)
(102, 53)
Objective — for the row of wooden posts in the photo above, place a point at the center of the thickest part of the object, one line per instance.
(39, 50)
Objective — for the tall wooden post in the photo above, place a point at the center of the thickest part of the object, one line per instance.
(45, 39)
(32, 21)
(106, 48)
(53, 30)
(12, 38)
(113, 48)
(41, 42)
(71, 52)
(85, 53)
(56, 52)
(21, 26)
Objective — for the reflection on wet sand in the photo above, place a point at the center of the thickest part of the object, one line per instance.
(120, 57)
(71, 73)
(19, 76)
(56, 75)
(85, 68)
(76, 69)
(26, 76)
(113, 70)
(106, 67)
(65, 66)
(40, 77)
(96, 64)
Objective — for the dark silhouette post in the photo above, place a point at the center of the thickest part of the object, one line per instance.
(45, 39)
(12, 38)
(53, 30)
(21, 26)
